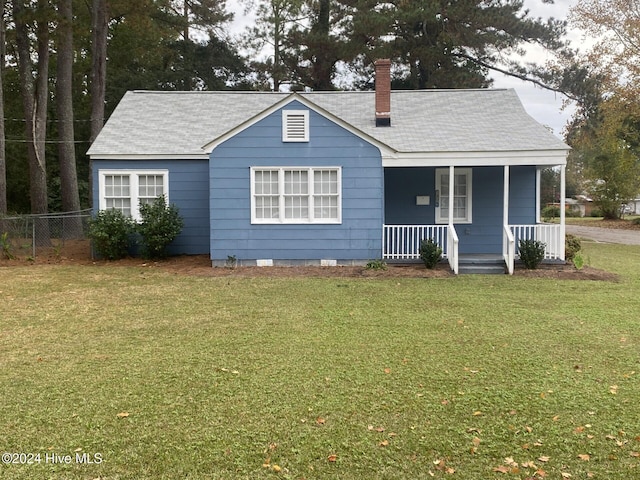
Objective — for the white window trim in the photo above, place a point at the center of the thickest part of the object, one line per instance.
(281, 206)
(133, 186)
(286, 135)
(457, 171)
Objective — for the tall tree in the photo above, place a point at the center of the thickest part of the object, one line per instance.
(3, 158)
(605, 132)
(616, 55)
(64, 104)
(318, 45)
(275, 19)
(35, 93)
(99, 36)
(445, 44)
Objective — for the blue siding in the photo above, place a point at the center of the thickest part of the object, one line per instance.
(484, 235)
(357, 238)
(188, 189)
(522, 196)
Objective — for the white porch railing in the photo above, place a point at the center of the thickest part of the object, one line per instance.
(550, 235)
(508, 248)
(402, 242)
(452, 248)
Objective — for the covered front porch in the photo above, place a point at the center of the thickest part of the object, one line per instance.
(494, 207)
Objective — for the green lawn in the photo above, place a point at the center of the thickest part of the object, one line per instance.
(156, 376)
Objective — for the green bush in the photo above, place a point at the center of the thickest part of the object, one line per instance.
(160, 225)
(636, 221)
(572, 246)
(376, 265)
(110, 231)
(430, 253)
(550, 212)
(531, 253)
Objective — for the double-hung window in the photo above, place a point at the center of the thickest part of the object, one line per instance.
(461, 195)
(126, 190)
(296, 195)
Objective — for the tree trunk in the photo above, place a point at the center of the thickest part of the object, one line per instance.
(98, 87)
(64, 99)
(34, 98)
(3, 157)
(100, 30)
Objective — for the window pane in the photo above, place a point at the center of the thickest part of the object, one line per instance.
(267, 207)
(326, 207)
(325, 182)
(296, 207)
(150, 186)
(266, 182)
(296, 182)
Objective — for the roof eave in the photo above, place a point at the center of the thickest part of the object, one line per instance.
(550, 157)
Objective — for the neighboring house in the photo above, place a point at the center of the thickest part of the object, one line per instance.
(333, 177)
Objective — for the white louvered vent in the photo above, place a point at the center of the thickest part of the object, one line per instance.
(295, 125)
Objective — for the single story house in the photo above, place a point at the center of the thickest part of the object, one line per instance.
(333, 177)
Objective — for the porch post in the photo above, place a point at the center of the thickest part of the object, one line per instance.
(451, 187)
(563, 194)
(538, 193)
(505, 214)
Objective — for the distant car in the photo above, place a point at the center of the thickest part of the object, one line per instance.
(626, 209)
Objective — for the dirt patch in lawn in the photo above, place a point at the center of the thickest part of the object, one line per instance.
(78, 252)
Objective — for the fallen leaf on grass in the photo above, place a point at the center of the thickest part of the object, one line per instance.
(544, 458)
(541, 473)
(477, 413)
(320, 421)
(635, 454)
(585, 457)
(565, 475)
(122, 415)
(501, 469)
(387, 371)
(332, 458)
(613, 389)
(384, 443)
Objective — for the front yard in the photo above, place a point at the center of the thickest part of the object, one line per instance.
(138, 373)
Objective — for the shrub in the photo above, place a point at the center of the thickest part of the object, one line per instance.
(578, 261)
(160, 225)
(376, 265)
(550, 212)
(572, 246)
(430, 253)
(636, 221)
(531, 253)
(110, 231)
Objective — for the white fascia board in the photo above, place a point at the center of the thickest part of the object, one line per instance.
(476, 159)
(384, 149)
(200, 156)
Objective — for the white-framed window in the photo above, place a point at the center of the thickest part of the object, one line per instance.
(462, 182)
(295, 125)
(125, 190)
(296, 195)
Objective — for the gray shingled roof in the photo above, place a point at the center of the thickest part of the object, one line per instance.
(181, 123)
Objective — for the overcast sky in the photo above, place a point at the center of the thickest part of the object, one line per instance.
(543, 105)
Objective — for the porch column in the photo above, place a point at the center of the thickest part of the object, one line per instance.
(451, 187)
(563, 194)
(505, 214)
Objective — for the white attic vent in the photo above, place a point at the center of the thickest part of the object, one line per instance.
(295, 125)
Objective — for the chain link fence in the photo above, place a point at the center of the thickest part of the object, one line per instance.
(52, 234)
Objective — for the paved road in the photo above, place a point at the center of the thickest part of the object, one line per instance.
(606, 235)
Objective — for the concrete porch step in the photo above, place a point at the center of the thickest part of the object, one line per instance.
(481, 264)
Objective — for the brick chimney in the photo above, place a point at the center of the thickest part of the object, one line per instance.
(383, 92)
